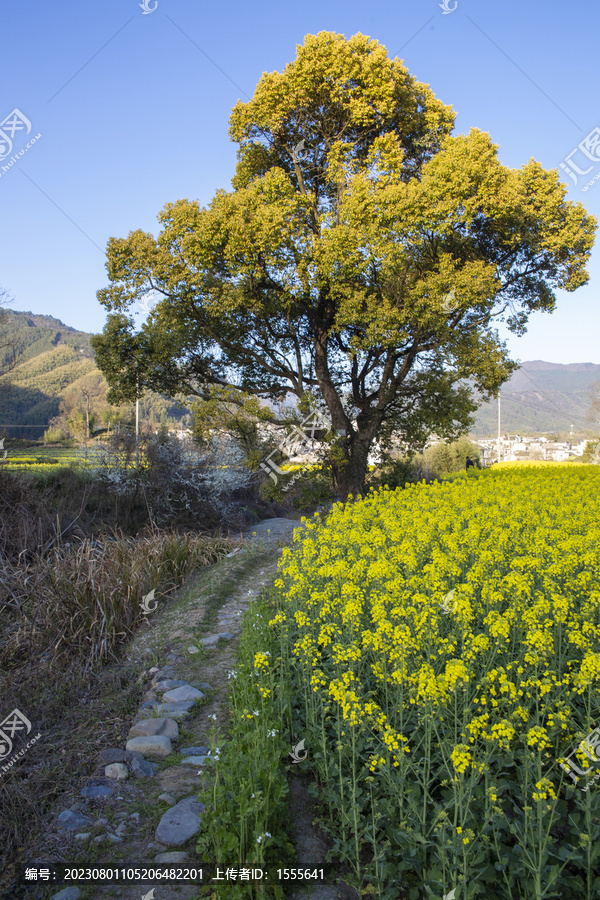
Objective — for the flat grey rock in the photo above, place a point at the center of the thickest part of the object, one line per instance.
(69, 893)
(174, 710)
(167, 684)
(165, 726)
(117, 770)
(143, 768)
(193, 650)
(182, 694)
(180, 822)
(151, 745)
(226, 635)
(194, 760)
(194, 751)
(210, 641)
(173, 856)
(71, 821)
(97, 789)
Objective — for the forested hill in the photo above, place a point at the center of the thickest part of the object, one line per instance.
(544, 397)
(54, 363)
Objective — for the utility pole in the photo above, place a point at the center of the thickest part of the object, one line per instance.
(498, 426)
(137, 423)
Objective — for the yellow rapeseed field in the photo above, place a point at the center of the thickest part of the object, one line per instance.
(445, 640)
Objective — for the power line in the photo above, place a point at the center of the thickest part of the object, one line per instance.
(568, 416)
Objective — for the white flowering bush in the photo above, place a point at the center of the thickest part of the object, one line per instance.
(177, 479)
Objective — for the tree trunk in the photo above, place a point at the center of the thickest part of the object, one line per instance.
(350, 478)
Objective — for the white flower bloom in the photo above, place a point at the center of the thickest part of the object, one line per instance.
(213, 716)
(256, 713)
(272, 733)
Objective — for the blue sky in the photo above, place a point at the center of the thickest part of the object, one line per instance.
(133, 113)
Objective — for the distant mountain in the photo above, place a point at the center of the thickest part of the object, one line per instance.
(52, 358)
(544, 397)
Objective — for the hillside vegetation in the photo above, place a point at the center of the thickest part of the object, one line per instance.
(54, 373)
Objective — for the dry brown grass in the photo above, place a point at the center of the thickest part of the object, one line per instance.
(67, 613)
(81, 601)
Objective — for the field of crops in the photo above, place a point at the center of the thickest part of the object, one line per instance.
(444, 643)
(40, 459)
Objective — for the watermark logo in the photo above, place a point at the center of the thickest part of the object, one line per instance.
(295, 754)
(448, 599)
(596, 455)
(2, 450)
(448, 301)
(451, 895)
(146, 601)
(15, 721)
(146, 304)
(13, 123)
(149, 895)
(589, 151)
(590, 747)
(447, 9)
(147, 9)
(297, 150)
(297, 442)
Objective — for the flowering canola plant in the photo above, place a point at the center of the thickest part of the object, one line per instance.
(445, 640)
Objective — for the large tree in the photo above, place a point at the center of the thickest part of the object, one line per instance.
(362, 257)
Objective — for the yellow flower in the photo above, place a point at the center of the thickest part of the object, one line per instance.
(538, 737)
(461, 758)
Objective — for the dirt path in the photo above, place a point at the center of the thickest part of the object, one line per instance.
(192, 638)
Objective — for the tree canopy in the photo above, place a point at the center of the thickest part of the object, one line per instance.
(362, 257)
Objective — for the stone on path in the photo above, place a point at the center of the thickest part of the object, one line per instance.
(194, 751)
(180, 822)
(168, 798)
(153, 745)
(174, 856)
(117, 770)
(71, 821)
(97, 789)
(174, 710)
(213, 639)
(69, 893)
(143, 768)
(210, 641)
(193, 650)
(167, 684)
(147, 727)
(194, 760)
(183, 693)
